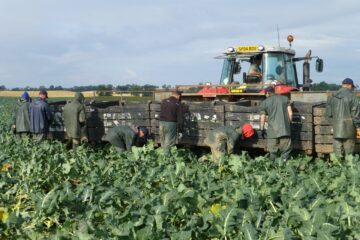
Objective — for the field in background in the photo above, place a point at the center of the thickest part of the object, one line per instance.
(62, 94)
(52, 94)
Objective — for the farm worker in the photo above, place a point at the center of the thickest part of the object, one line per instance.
(21, 118)
(171, 121)
(279, 112)
(343, 111)
(40, 117)
(222, 139)
(254, 69)
(75, 121)
(124, 137)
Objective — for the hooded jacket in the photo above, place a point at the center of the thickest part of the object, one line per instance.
(343, 111)
(21, 117)
(40, 116)
(75, 117)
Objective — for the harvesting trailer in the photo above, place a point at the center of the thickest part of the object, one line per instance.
(232, 102)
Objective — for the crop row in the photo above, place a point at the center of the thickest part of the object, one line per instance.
(94, 193)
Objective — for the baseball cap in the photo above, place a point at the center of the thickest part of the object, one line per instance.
(348, 81)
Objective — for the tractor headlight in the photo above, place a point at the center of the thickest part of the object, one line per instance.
(231, 50)
(261, 48)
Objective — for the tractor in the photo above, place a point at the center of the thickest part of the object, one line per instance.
(277, 68)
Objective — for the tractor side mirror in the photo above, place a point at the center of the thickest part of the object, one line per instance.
(237, 68)
(319, 65)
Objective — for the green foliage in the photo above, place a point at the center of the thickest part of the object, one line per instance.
(104, 90)
(49, 193)
(324, 86)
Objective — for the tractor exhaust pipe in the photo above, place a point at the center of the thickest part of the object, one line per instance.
(306, 77)
(306, 72)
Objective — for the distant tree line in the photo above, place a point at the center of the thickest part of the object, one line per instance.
(101, 87)
(324, 86)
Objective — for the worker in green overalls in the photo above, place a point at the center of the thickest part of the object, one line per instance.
(74, 121)
(278, 110)
(21, 116)
(344, 113)
(122, 138)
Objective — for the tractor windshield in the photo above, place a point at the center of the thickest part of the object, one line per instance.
(274, 66)
(227, 71)
(279, 66)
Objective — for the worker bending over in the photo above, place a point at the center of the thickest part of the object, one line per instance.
(124, 137)
(222, 140)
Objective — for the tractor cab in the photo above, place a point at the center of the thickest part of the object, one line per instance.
(263, 66)
(248, 69)
(253, 67)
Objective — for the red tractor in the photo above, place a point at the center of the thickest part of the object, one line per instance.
(275, 66)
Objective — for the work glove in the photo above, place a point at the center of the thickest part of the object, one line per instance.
(180, 136)
(13, 128)
(263, 133)
(84, 140)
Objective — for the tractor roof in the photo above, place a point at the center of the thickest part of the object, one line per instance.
(249, 51)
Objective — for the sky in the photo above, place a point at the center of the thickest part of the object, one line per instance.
(118, 42)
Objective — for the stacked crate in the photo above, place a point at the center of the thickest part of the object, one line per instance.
(301, 127)
(100, 120)
(238, 114)
(154, 120)
(100, 116)
(56, 129)
(95, 124)
(323, 132)
(311, 131)
(199, 119)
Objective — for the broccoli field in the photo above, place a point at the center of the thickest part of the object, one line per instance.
(47, 192)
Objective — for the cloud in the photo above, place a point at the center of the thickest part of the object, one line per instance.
(157, 42)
